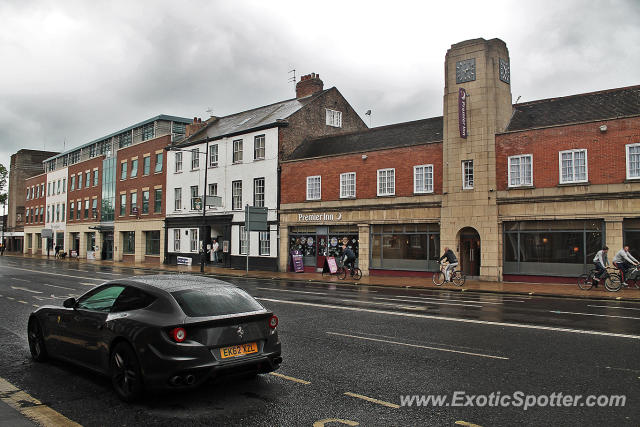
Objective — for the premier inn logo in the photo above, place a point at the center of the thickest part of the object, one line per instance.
(320, 217)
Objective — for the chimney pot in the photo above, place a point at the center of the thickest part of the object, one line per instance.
(308, 85)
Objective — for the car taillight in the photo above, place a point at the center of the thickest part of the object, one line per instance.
(178, 334)
(273, 321)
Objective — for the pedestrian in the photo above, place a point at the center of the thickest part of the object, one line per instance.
(1, 249)
(214, 248)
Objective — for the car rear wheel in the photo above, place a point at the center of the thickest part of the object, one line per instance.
(36, 341)
(125, 372)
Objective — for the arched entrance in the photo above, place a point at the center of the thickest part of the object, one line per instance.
(469, 250)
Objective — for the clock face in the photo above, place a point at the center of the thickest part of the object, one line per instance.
(466, 70)
(504, 72)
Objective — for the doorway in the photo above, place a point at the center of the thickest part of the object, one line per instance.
(469, 251)
(107, 245)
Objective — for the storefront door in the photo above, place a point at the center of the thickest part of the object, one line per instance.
(107, 245)
(470, 252)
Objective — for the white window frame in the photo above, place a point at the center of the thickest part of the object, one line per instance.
(334, 118)
(195, 159)
(193, 242)
(178, 162)
(244, 240)
(347, 187)
(312, 182)
(628, 161)
(237, 151)
(389, 189)
(259, 145)
(467, 184)
(213, 155)
(573, 167)
(521, 178)
(236, 199)
(213, 189)
(264, 239)
(426, 186)
(176, 239)
(194, 196)
(177, 198)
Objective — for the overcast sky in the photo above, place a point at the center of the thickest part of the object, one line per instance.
(75, 71)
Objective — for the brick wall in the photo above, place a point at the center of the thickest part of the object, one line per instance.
(36, 202)
(78, 196)
(294, 181)
(142, 182)
(310, 121)
(606, 153)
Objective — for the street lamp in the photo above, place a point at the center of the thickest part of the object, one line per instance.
(204, 196)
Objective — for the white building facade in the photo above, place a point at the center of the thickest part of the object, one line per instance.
(55, 210)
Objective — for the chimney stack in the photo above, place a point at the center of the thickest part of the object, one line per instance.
(308, 85)
(194, 127)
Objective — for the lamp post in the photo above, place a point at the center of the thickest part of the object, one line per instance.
(204, 196)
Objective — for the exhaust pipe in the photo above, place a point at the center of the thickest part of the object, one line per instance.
(175, 380)
(190, 379)
(277, 360)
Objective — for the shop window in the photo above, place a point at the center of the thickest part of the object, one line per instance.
(423, 179)
(633, 161)
(412, 247)
(176, 240)
(573, 166)
(129, 242)
(467, 174)
(193, 240)
(152, 244)
(386, 182)
(314, 191)
(521, 170)
(348, 185)
(244, 240)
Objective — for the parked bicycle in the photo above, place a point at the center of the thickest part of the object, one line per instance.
(457, 277)
(611, 281)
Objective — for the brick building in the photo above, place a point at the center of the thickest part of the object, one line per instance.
(525, 192)
(34, 214)
(23, 164)
(240, 154)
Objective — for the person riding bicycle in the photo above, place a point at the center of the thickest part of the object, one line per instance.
(451, 259)
(601, 262)
(349, 258)
(623, 261)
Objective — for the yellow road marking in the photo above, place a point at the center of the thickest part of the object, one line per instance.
(371, 399)
(321, 423)
(465, 423)
(295, 380)
(31, 407)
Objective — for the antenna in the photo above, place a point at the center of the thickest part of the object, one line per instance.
(210, 111)
(368, 113)
(293, 78)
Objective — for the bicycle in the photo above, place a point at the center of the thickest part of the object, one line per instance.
(631, 277)
(457, 277)
(611, 281)
(356, 273)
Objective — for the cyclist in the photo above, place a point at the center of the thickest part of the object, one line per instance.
(623, 261)
(349, 258)
(451, 259)
(601, 262)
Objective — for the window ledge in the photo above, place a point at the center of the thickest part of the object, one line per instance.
(213, 166)
(386, 195)
(521, 187)
(631, 180)
(177, 172)
(259, 160)
(574, 184)
(422, 193)
(347, 197)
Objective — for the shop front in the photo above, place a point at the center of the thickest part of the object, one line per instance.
(316, 243)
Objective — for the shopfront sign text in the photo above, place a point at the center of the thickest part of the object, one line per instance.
(320, 217)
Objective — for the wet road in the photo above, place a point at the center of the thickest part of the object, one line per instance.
(351, 353)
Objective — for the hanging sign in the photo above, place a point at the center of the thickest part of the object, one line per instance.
(462, 112)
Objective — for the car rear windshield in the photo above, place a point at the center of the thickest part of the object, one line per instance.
(215, 302)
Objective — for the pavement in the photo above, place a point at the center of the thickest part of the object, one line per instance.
(513, 288)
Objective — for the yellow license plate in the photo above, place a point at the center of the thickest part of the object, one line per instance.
(239, 350)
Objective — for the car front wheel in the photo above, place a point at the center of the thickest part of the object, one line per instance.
(125, 373)
(36, 341)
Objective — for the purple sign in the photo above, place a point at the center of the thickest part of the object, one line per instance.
(298, 263)
(462, 112)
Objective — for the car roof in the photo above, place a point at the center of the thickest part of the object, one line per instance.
(177, 282)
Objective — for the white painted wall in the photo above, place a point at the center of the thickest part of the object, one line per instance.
(224, 174)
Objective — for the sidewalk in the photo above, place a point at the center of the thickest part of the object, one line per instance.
(538, 289)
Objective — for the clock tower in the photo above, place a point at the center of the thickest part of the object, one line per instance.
(477, 105)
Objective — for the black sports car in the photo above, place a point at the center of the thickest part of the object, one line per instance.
(161, 331)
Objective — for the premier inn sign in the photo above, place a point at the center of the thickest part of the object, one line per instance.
(462, 112)
(320, 217)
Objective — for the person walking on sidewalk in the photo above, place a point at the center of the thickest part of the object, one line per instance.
(451, 259)
(601, 262)
(623, 261)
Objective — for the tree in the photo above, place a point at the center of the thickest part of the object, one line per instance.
(3, 184)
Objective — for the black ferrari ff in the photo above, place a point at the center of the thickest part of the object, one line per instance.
(157, 332)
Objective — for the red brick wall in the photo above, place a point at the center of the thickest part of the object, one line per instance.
(142, 181)
(85, 192)
(606, 153)
(294, 174)
(33, 203)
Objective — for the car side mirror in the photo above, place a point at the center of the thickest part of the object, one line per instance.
(69, 303)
